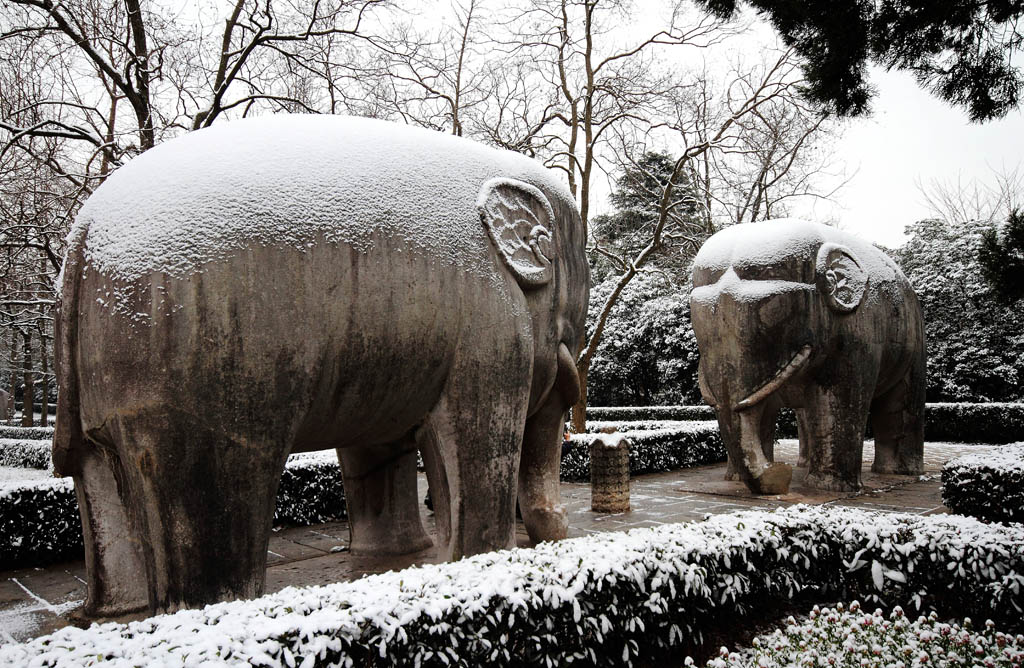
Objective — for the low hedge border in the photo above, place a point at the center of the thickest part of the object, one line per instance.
(602, 600)
(989, 487)
(974, 423)
(27, 433)
(40, 524)
(666, 447)
(26, 454)
(996, 423)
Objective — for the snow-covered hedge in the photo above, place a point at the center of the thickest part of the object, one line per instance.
(39, 521)
(26, 454)
(639, 413)
(605, 599)
(666, 446)
(27, 433)
(853, 638)
(616, 414)
(987, 486)
(310, 491)
(974, 423)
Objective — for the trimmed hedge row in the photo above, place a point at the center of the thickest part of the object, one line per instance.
(40, 524)
(955, 423)
(974, 423)
(26, 454)
(602, 600)
(666, 446)
(989, 487)
(27, 433)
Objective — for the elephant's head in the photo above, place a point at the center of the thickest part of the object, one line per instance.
(536, 231)
(768, 304)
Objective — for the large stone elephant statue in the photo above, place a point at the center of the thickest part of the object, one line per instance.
(297, 283)
(791, 313)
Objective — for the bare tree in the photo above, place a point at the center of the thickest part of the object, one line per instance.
(708, 127)
(985, 200)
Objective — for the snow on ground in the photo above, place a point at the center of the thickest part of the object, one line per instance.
(15, 474)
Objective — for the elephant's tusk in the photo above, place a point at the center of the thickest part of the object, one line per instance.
(775, 383)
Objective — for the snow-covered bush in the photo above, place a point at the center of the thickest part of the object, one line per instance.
(27, 433)
(641, 413)
(786, 423)
(605, 599)
(310, 491)
(987, 486)
(647, 353)
(852, 638)
(26, 454)
(974, 423)
(39, 523)
(665, 447)
(39, 520)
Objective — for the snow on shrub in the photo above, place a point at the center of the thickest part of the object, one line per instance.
(854, 639)
(40, 524)
(26, 454)
(604, 599)
(27, 433)
(974, 423)
(954, 423)
(667, 447)
(988, 486)
(637, 413)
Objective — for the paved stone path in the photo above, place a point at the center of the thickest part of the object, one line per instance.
(35, 601)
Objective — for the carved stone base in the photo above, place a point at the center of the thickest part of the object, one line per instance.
(609, 474)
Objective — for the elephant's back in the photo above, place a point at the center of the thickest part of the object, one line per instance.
(296, 181)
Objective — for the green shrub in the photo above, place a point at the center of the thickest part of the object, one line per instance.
(987, 486)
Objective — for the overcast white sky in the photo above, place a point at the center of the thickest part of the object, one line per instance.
(910, 138)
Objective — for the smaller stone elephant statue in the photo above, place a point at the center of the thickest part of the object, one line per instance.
(791, 313)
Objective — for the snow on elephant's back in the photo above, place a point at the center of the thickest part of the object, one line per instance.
(295, 180)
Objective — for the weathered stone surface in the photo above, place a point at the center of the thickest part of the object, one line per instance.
(609, 474)
(790, 313)
(301, 283)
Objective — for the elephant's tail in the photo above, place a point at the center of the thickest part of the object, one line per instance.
(67, 435)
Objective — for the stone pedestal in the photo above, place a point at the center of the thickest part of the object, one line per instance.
(609, 474)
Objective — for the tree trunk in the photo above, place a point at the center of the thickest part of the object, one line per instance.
(14, 376)
(45, 380)
(579, 411)
(27, 407)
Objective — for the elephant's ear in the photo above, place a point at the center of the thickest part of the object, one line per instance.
(519, 218)
(842, 279)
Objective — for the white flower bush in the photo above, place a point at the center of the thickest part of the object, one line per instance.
(606, 599)
(843, 637)
(988, 486)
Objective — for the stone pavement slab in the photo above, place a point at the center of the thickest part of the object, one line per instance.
(35, 601)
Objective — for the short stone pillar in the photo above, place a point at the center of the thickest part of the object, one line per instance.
(609, 474)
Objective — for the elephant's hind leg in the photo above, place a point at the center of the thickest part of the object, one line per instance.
(382, 501)
(202, 501)
(116, 576)
(897, 421)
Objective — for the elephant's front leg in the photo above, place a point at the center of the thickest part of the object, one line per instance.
(381, 497)
(539, 493)
(749, 438)
(835, 441)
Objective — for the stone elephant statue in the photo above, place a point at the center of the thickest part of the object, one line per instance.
(791, 313)
(296, 283)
